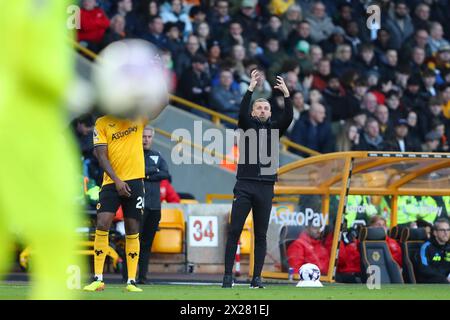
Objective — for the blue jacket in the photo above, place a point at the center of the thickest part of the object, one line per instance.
(319, 138)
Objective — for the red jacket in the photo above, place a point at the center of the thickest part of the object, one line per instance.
(349, 258)
(308, 250)
(93, 25)
(396, 251)
(168, 193)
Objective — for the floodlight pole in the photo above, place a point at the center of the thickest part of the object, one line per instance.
(339, 224)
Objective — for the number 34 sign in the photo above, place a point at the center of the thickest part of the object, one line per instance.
(203, 231)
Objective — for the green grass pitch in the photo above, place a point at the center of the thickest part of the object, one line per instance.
(242, 292)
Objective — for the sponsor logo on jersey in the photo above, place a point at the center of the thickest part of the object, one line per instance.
(125, 133)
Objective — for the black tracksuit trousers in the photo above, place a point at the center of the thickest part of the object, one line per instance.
(256, 196)
(149, 226)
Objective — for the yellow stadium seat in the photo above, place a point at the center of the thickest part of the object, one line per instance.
(170, 236)
(188, 201)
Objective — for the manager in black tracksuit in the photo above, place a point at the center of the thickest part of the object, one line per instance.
(256, 175)
(156, 169)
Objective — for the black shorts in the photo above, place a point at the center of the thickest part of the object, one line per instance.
(132, 207)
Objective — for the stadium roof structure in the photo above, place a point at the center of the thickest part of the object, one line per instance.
(365, 173)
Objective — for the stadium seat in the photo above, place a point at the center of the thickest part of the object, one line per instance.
(396, 232)
(287, 235)
(246, 235)
(188, 201)
(375, 252)
(411, 240)
(170, 236)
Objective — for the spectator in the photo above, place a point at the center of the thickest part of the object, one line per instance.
(290, 19)
(184, 59)
(342, 61)
(352, 36)
(263, 90)
(174, 13)
(369, 103)
(367, 60)
(348, 137)
(390, 63)
(303, 58)
(316, 54)
(125, 9)
(436, 40)
(279, 7)
(429, 84)
(168, 193)
(417, 60)
(394, 247)
(432, 140)
(371, 139)
(224, 98)
(431, 115)
(214, 60)
(401, 142)
(321, 25)
(155, 33)
(203, 33)
(219, 19)
(384, 121)
(93, 25)
(432, 261)
(420, 40)
(116, 30)
(195, 83)
(247, 17)
(313, 131)
(308, 248)
(299, 108)
(336, 39)
(412, 100)
(273, 29)
(393, 103)
(144, 11)
(399, 24)
(320, 78)
(383, 42)
(273, 55)
(302, 31)
(174, 42)
(233, 37)
(198, 15)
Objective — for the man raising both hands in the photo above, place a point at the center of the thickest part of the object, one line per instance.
(256, 174)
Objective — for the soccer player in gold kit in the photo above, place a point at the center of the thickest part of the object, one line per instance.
(118, 147)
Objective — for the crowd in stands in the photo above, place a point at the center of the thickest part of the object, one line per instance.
(353, 88)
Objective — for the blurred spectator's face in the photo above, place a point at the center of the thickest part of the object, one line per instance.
(418, 56)
(392, 57)
(294, 15)
(315, 96)
(126, 5)
(401, 10)
(346, 13)
(273, 45)
(423, 12)
(367, 55)
(222, 8)
(370, 102)
(248, 11)
(440, 129)
(89, 4)
(412, 119)
(226, 79)
(192, 44)
(429, 81)
(176, 6)
(360, 90)
(413, 88)
(157, 26)
(393, 102)
(291, 80)
(316, 54)
(319, 10)
(324, 67)
(214, 52)
(153, 8)
(199, 67)
(261, 110)
(437, 32)
(173, 33)
(360, 120)
(298, 101)
(274, 23)
(401, 131)
(235, 29)
(373, 129)
(334, 84)
(352, 29)
(118, 24)
(436, 109)
(432, 144)
(304, 30)
(442, 232)
(344, 53)
(238, 53)
(372, 80)
(446, 94)
(382, 114)
(444, 56)
(352, 133)
(379, 223)
(317, 113)
(203, 30)
(147, 139)
(314, 232)
(421, 38)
